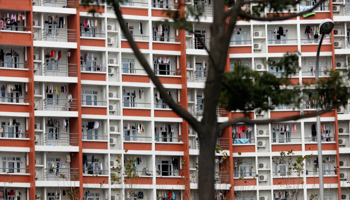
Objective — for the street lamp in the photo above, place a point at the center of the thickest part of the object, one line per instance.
(326, 27)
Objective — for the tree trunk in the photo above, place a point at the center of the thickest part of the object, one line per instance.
(206, 179)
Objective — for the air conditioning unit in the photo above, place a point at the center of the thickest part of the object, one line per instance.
(262, 132)
(337, 31)
(112, 163)
(113, 129)
(343, 175)
(113, 141)
(36, 56)
(342, 141)
(263, 198)
(341, 110)
(112, 95)
(342, 130)
(110, 27)
(111, 71)
(336, 8)
(36, 138)
(337, 45)
(263, 178)
(112, 61)
(112, 108)
(37, 126)
(262, 166)
(259, 67)
(35, 22)
(343, 163)
(339, 64)
(262, 143)
(257, 46)
(258, 34)
(345, 196)
(110, 40)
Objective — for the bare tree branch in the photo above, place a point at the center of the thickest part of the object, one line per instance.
(233, 14)
(250, 16)
(244, 120)
(173, 105)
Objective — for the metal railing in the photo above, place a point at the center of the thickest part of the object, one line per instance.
(136, 105)
(134, 4)
(222, 177)
(60, 104)
(61, 174)
(13, 100)
(287, 173)
(93, 103)
(94, 172)
(135, 138)
(56, 3)
(243, 141)
(144, 172)
(224, 143)
(160, 104)
(169, 173)
(61, 139)
(56, 35)
(59, 69)
(15, 28)
(313, 73)
(324, 139)
(92, 34)
(206, 10)
(129, 70)
(285, 107)
(13, 170)
(198, 44)
(193, 176)
(13, 135)
(165, 5)
(245, 174)
(168, 139)
(15, 65)
(286, 139)
(283, 40)
(197, 76)
(314, 41)
(315, 172)
(94, 137)
(163, 72)
(137, 37)
(85, 68)
(165, 39)
(240, 42)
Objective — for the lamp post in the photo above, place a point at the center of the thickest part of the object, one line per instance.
(326, 27)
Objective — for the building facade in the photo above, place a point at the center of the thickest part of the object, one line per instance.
(77, 107)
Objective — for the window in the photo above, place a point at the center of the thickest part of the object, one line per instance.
(92, 164)
(199, 43)
(129, 99)
(91, 196)
(239, 38)
(243, 169)
(10, 130)
(53, 166)
(128, 66)
(89, 97)
(200, 103)
(53, 196)
(129, 133)
(329, 196)
(88, 132)
(11, 164)
(164, 167)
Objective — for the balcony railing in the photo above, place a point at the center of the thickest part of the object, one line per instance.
(198, 44)
(206, 10)
(94, 172)
(240, 42)
(193, 143)
(136, 105)
(315, 172)
(168, 139)
(61, 174)
(61, 139)
(137, 37)
(193, 176)
(283, 41)
(55, 3)
(13, 135)
(222, 177)
(60, 104)
(197, 76)
(15, 28)
(135, 138)
(163, 72)
(165, 39)
(288, 173)
(59, 69)
(15, 65)
(245, 174)
(314, 41)
(92, 137)
(13, 100)
(93, 103)
(312, 73)
(243, 141)
(170, 173)
(129, 70)
(134, 4)
(160, 104)
(224, 143)
(162, 5)
(286, 139)
(56, 35)
(323, 139)
(87, 68)
(143, 172)
(13, 170)
(92, 34)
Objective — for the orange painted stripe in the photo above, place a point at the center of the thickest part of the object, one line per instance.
(14, 73)
(279, 114)
(233, 50)
(15, 178)
(159, 13)
(14, 108)
(166, 47)
(16, 5)
(135, 78)
(136, 112)
(170, 181)
(95, 145)
(288, 181)
(245, 182)
(140, 180)
(97, 9)
(329, 114)
(170, 80)
(169, 147)
(135, 11)
(16, 38)
(93, 77)
(314, 180)
(313, 48)
(282, 49)
(281, 15)
(325, 147)
(245, 148)
(94, 111)
(165, 113)
(92, 42)
(141, 45)
(138, 146)
(14, 143)
(237, 114)
(279, 148)
(320, 15)
(95, 179)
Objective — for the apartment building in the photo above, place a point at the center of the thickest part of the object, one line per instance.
(76, 105)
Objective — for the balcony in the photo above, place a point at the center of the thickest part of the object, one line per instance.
(139, 4)
(14, 135)
(53, 104)
(222, 177)
(58, 139)
(199, 75)
(54, 3)
(61, 174)
(55, 35)
(93, 103)
(198, 44)
(13, 100)
(59, 69)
